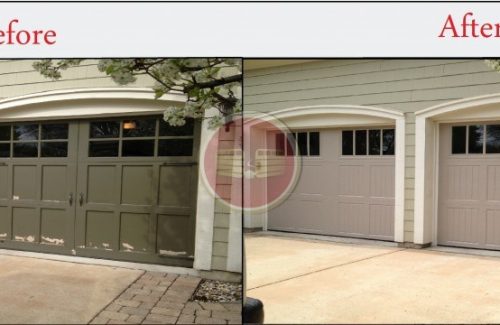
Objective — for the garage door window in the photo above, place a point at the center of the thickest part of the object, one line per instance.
(34, 140)
(299, 143)
(140, 137)
(375, 142)
(475, 139)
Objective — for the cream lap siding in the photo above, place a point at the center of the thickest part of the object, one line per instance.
(404, 85)
(221, 236)
(17, 78)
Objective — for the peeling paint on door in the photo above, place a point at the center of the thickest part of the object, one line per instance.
(54, 241)
(172, 253)
(128, 247)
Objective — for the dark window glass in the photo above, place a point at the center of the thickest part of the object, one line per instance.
(54, 131)
(314, 144)
(4, 150)
(360, 142)
(388, 141)
(374, 142)
(280, 144)
(302, 143)
(168, 130)
(26, 149)
(103, 148)
(493, 138)
(347, 143)
(175, 147)
(54, 149)
(104, 129)
(458, 139)
(138, 148)
(290, 144)
(26, 132)
(5, 132)
(476, 134)
(139, 128)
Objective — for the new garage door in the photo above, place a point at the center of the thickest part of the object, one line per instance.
(120, 188)
(346, 186)
(469, 185)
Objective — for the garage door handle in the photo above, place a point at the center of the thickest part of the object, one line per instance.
(70, 199)
(81, 199)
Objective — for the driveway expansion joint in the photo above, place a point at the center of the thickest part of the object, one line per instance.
(326, 269)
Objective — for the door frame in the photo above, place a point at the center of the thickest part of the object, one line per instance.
(427, 122)
(82, 103)
(337, 116)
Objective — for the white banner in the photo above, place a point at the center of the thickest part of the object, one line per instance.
(249, 29)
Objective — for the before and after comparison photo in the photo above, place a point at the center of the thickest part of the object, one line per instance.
(231, 190)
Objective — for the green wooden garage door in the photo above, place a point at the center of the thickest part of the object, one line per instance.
(122, 188)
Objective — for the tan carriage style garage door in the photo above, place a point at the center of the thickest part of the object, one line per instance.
(346, 186)
(469, 185)
(118, 188)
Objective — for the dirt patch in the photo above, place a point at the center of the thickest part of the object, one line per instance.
(218, 291)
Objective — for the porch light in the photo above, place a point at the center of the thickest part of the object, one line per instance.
(128, 125)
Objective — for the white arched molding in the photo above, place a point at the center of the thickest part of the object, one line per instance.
(332, 116)
(85, 102)
(101, 102)
(481, 108)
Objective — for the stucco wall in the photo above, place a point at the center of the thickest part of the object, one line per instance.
(405, 85)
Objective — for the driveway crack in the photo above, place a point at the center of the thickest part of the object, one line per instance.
(325, 269)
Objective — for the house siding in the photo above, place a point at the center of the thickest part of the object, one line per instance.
(404, 85)
(18, 78)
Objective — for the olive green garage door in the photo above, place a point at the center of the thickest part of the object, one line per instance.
(346, 186)
(121, 188)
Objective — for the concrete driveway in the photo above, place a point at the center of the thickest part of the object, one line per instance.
(43, 291)
(308, 281)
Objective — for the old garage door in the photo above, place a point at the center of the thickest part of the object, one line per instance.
(346, 186)
(122, 188)
(469, 185)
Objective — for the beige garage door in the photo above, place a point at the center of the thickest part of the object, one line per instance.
(469, 185)
(346, 186)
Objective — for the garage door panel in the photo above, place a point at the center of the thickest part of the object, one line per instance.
(135, 229)
(352, 180)
(5, 223)
(137, 185)
(53, 227)
(493, 228)
(25, 224)
(174, 236)
(26, 182)
(54, 183)
(176, 186)
(381, 221)
(4, 180)
(382, 181)
(463, 182)
(461, 225)
(493, 183)
(352, 218)
(101, 184)
(100, 230)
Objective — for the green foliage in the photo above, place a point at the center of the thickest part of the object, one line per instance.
(207, 83)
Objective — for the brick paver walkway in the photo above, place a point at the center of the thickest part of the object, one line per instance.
(162, 298)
